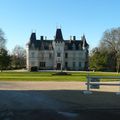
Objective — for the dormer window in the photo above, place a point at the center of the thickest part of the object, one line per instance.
(73, 46)
(80, 47)
(50, 47)
(32, 46)
(66, 47)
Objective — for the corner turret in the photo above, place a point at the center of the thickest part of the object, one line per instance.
(85, 44)
(33, 38)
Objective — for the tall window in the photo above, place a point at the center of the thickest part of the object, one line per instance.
(74, 47)
(66, 47)
(66, 64)
(66, 55)
(42, 64)
(80, 64)
(74, 56)
(42, 55)
(73, 64)
(32, 54)
(58, 54)
(50, 55)
(32, 63)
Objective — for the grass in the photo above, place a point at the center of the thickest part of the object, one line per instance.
(47, 76)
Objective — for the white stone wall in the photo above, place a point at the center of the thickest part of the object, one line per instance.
(77, 57)
(58, 48)
(44, 56)
(34, 57)
(27, 57)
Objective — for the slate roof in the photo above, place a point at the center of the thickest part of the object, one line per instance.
(47, 44)
(73, 45)
(42, 44)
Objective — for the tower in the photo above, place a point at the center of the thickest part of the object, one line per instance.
(58, 45)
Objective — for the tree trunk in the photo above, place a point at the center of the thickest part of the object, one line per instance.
(118, 65)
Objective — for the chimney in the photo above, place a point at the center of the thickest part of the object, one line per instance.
(45, 37)
(41, 37)
(74, 37)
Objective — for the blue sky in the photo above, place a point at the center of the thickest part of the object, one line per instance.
(18, 18)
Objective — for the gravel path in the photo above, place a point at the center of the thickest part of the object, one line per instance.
(52, 85)
(5, 85)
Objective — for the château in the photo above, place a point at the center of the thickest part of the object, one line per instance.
(57, 54)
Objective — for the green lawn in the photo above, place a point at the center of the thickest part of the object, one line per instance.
(47, 76)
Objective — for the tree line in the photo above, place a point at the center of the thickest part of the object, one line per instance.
(14, 60)
(106, 57)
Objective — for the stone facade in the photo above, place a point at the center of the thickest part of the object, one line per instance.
(58, 53)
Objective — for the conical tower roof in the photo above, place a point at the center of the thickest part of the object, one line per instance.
(58, 36)
(33, 37)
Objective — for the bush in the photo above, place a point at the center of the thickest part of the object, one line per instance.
(61, 73)
(34, 69)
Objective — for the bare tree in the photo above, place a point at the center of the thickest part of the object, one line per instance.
(111, 42)
(2, 39)
(18, 57)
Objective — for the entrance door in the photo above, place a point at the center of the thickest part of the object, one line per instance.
(58, 66)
